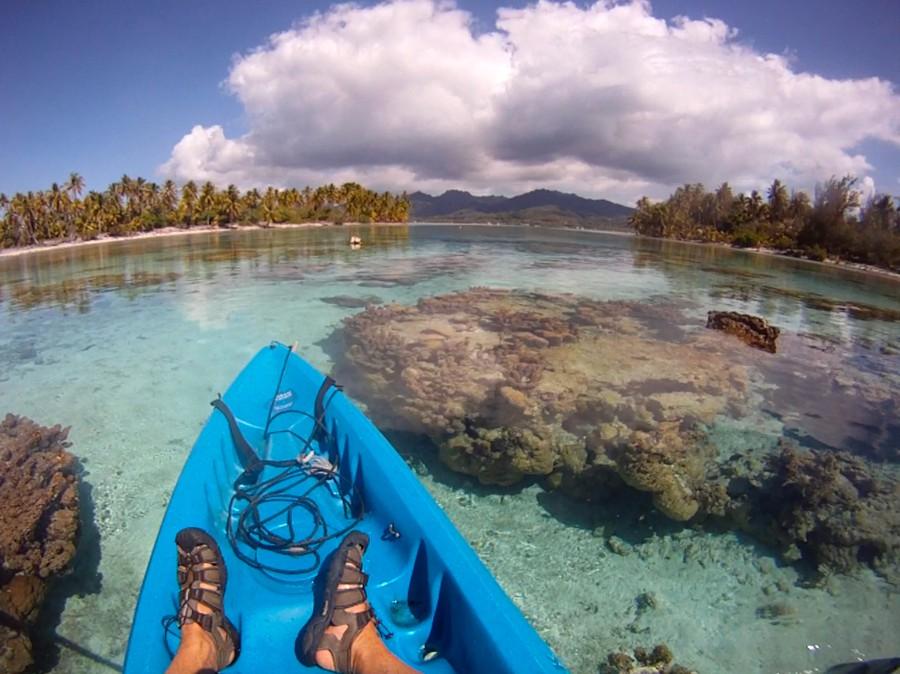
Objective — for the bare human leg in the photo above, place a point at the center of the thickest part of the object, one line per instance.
(196, 654)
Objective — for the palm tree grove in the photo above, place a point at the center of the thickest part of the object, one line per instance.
(833, 224)
(134, 205)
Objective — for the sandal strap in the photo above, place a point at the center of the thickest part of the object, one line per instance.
(353, 577)
(210, 598)
(203, 554)
(344, 599)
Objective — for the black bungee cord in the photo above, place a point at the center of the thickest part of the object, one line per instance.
(288, 491)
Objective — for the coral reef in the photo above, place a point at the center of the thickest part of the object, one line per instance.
(603, 399)
(749, 329)
(657, 661)
(593, 395)
(80, 292)
(39, 522)
(829, 508)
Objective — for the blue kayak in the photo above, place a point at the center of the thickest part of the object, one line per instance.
(285, 465)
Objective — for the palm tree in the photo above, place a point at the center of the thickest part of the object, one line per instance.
(232, 203)
(270, 205)
(58, 201)
(251, 202)
(75, 185)
(139, 191)
(33, 207)
(188, 203)
(168, 198)
(207, 201)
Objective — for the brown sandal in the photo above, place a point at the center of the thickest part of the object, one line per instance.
(201, 568)
(345, 569)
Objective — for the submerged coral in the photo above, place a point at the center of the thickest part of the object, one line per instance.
(602, 399)
(513, 384)
(351, 301)
(80, 292)
(829, 508)
(39, 523)
(751, 330)
(657, 661)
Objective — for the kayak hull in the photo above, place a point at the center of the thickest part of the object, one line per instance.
(427, 586)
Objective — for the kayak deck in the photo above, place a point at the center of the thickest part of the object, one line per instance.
(445, 611)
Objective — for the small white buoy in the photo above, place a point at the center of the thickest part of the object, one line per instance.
(355, 241)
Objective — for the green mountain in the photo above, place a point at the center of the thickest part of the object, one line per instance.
(538, 207)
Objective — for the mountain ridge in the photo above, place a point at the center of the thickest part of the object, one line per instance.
(540, 206)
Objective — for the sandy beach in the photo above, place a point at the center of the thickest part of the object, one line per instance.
(174, 231)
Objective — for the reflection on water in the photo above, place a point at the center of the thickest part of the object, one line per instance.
(128, 342)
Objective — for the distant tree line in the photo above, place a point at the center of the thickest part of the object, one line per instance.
(133, 205)
(833, 224)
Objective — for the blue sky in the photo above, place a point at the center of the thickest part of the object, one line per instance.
(111, 87)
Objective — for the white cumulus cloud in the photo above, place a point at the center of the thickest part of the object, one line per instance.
(604, 99)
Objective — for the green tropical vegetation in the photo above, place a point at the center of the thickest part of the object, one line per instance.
(133, 205)
(833, 224)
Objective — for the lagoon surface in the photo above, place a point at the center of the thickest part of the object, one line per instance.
(127, 342)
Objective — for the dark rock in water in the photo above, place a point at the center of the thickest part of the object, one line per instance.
(39, 522)
(351, 301)
(646, 601)
(751, 330)
(775, 612)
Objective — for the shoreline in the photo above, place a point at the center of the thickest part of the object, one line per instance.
(166, 232)
(772, 252)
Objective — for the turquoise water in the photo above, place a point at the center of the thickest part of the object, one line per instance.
(128, 342)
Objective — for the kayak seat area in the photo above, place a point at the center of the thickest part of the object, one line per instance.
(405, 587)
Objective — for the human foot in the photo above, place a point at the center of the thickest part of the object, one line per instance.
(201, 580)
(331, 637)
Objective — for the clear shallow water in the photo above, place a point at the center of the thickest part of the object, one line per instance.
(128, 342)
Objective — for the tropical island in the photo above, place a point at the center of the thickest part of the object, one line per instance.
(133, 206)
(831, 225)
(834, 224)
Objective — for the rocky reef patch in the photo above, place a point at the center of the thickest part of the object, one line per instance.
(351, 301)
(607, 401)
(80, 292)
(39, 527)
(659, 660)
(751, 330)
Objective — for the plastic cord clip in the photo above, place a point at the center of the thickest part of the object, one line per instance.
(390, 533)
